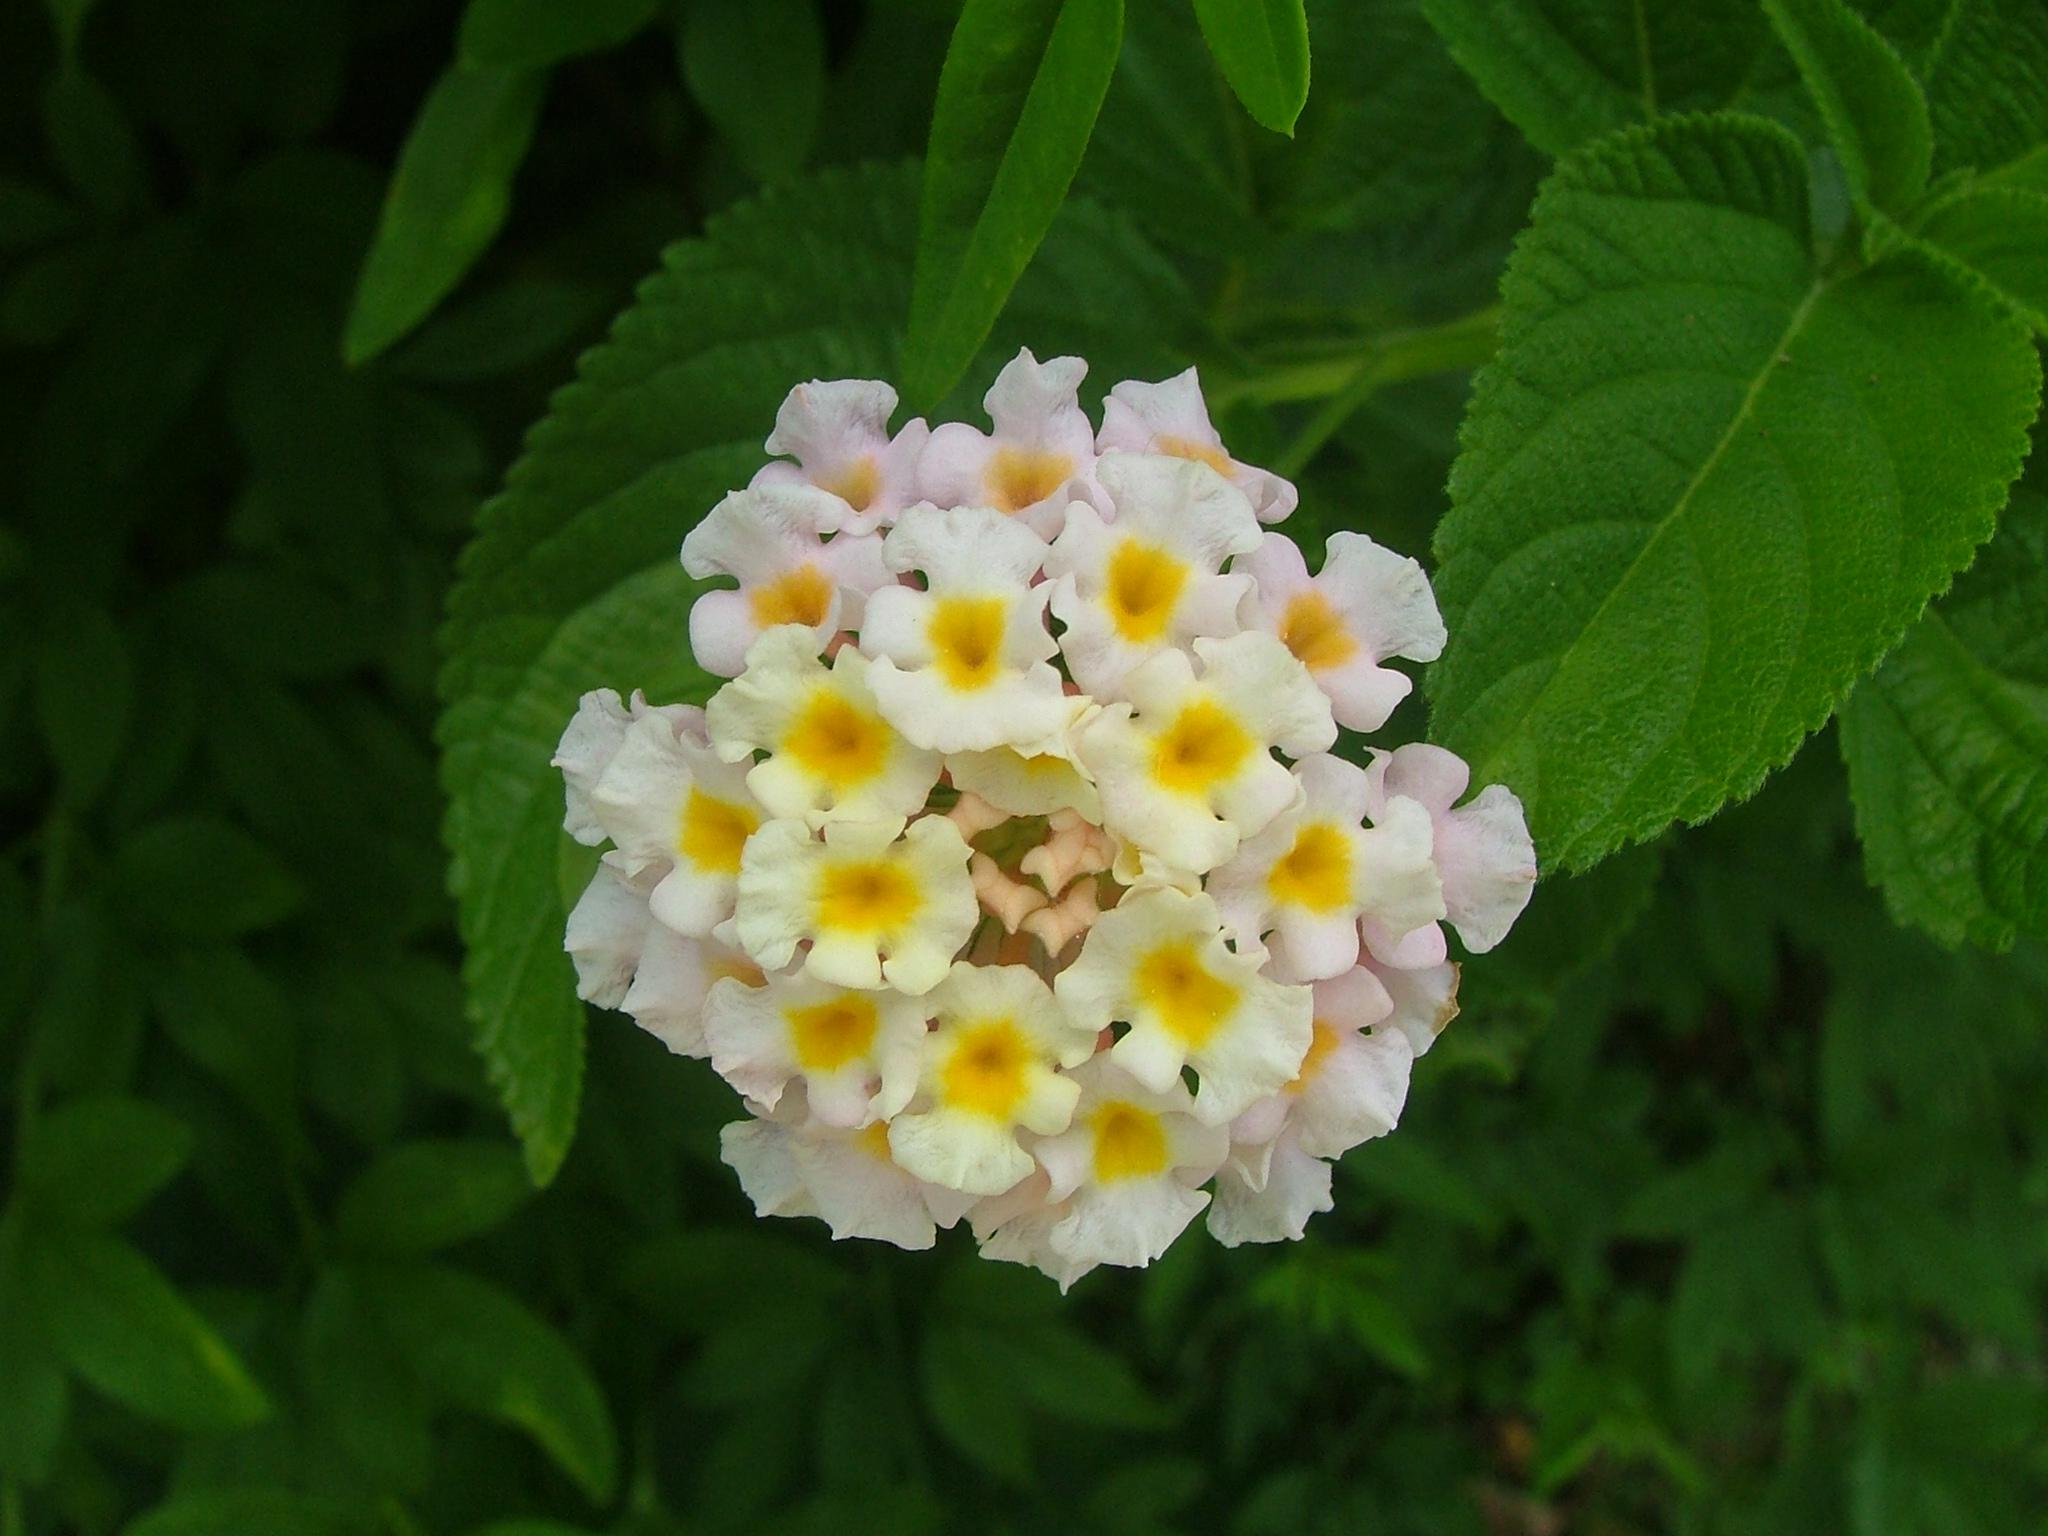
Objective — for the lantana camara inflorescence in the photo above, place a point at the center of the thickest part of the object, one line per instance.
(1011, 878)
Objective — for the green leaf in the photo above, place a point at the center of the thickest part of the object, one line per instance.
(1702, 488)
(1065, 1373)
(974, 1403)
(1947, 746)
(231, 1016)
(429, 1194)
(120, 1325)
(37, 1401)
(31, 215)
(757, 68)
(1987, 84)
(241, 1511)
(200, 877)
(531, 34)
(447, 200)
(2001, 233)
(572, 581)
(479, 1347)
(1262, 48)
(1564, 71)
(84, 696)
(92, 141)
(67, 17)
(1023, 82)
(1871, 105)
(363, 1398)
(94, 1161)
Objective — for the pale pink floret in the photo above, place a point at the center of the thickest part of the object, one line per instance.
(837, 430)
(1040, 457)
(1425, 999)
(1482, 848)
(1366, 605)
(592, 738)
(675, 978)
(791, 1164)
(772, 540)
(1270, 1199)
(1171, 417)
(606, 932)
(1350, 1090)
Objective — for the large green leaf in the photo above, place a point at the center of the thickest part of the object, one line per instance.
(447, 199)
(1262, 47)
(1947, 747)
(1703, 487)
(1987, 83)
(2001, 233)
(572, 581)
(1566, 70)
(118, 1323)
(479, 1347)
(1017, 101)
(1871, 104)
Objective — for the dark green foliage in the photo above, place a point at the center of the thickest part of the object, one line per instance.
(1719, 1209)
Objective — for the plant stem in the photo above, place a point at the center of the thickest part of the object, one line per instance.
(1345, 380)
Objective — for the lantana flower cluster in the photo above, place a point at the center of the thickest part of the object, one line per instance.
(1011, 879)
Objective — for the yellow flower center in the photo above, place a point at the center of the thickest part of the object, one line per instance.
(711, 832)
(1022, 477)
(804, 596)
(1316, 872)
(856, 484)
(966, 635)
(1201, 453)
(1320, 1044)
(837, 742)
(1203, 747)
(1130, 1143)
(1187, 999)
(1145, 583)
(866, 896)
(986, 1070)
(829, 1035)
(1312, 629)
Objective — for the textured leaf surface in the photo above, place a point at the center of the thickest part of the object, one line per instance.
(447, 199)
(572, 581)
(1947, 746)
(1262, 48)
(1565, 70)
(1987, 84)
(1702, 488)
(2002, 234)
(1017, 101)
(1871, 104)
